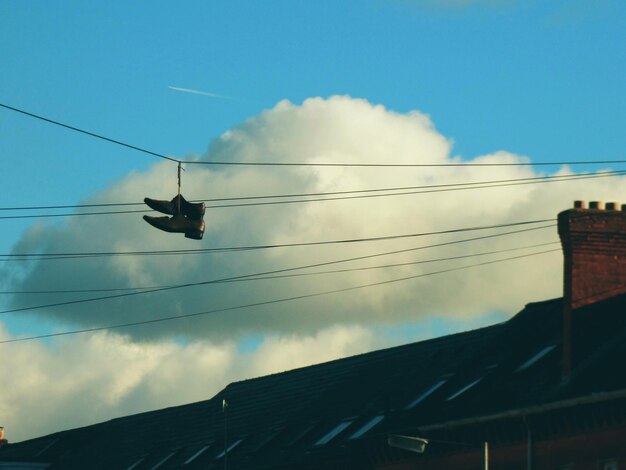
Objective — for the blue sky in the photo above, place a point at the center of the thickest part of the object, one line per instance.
(533, 79)
(529, 77)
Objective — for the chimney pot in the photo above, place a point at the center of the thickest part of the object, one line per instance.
(598, 205)
(579, 204)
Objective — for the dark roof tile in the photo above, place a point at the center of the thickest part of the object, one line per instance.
(280, 417)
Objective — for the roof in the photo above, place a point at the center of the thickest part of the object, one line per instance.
(292, 418)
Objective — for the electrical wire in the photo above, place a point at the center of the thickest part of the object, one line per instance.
(393, 265)
(302, 164)
(277, 271)
(332, 193)
(404, 191)
(68, 255)
(282, 276)
(405, 165)
(71, 214)
(89, 133)
(264, 303)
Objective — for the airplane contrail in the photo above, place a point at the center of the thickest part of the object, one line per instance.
(205, 93)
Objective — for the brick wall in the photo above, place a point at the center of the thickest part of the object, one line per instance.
(594, 249)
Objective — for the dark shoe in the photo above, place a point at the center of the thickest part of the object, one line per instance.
(188, 209)
(196, 234)
(178, 224)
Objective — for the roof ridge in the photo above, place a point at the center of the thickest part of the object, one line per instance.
(443, 339)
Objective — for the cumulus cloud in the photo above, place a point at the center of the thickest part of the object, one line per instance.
(94, 378)
(338, 129)
(77, 380)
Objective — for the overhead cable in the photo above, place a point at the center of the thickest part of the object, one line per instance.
(276, 271)
(303, 164)
(404, 165)
(355, 194)
(66, 255)
(264, 303)
(89, 133)
(260, 277)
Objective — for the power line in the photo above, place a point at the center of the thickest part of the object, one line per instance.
(89, 133)
(76, 291)
(66, 255)
(70, 214)
(262, 277)
(277, 271)
(72, 206)
(264, 303)
(395, 265)
(403, 165)
(302, 164)
(332, 193)
(365, 193)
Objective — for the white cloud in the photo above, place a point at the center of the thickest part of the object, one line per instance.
(338, 129)
(82, 379)
(88, 379)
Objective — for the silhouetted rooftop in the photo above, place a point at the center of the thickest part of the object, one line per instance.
(292, 418)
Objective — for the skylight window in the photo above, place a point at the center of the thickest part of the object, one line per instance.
(299, 435)
(264, 441)
(196, 455)
(229, 448)
(367, 426)
(421, 397)
(334, 432)
(609, 465)
(464, 389)
(163, 460)
(536, 358)
(136, 463)
(46, 447)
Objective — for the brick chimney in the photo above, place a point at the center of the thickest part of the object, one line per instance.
(594, 251)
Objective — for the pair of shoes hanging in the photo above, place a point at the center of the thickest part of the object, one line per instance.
(187, 217)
